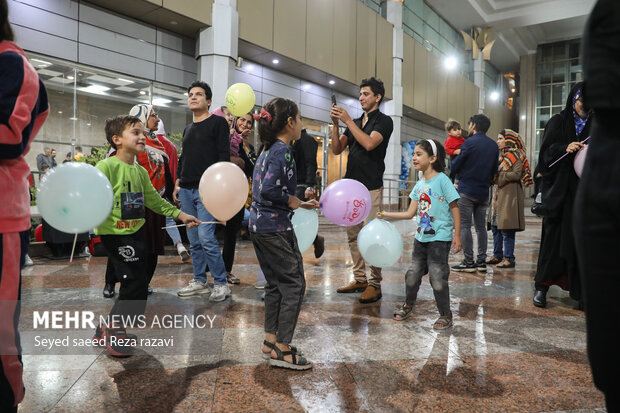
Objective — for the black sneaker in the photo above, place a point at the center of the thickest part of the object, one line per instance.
(108, 291)
(465, 266)
(481, 266)
(319, 246)
(119, 343)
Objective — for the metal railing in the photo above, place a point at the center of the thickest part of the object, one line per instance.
(396, 194)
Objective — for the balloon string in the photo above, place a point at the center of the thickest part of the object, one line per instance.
(73, 248)
(567, 153)
(202, 223)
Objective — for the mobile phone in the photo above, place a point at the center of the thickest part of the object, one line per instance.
(333, 100)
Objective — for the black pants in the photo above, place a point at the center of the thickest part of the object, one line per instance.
(597, 225)
(13, 249)
(127, 253)
(231, 230)
(281, 262)
(151, 259)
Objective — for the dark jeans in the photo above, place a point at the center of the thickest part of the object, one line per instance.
(431, 258)
(231, 230)
(13, 249)
(281, 262)
(128, 256)
(504, 243)
(476, 207)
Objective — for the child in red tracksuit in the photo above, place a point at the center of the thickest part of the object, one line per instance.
(453, 142)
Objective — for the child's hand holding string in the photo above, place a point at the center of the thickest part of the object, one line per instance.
(189, 220)
(310, 204)
(456, 245)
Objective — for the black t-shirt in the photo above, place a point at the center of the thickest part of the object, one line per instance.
(365, 166)
(204, 143)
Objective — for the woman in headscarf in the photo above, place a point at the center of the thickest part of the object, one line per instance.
(513, 174)
(557, 259)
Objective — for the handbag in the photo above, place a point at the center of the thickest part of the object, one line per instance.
(540, 210)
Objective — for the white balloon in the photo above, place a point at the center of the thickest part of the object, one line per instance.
(75, 197)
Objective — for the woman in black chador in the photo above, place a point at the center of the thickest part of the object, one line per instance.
(557, 260)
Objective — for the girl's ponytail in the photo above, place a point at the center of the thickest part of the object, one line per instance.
(273, 117)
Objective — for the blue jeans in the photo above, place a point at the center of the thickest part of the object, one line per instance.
(503, 243)
(173, 232)
(204, 247)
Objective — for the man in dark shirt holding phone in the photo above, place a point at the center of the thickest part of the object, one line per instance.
(367, 138)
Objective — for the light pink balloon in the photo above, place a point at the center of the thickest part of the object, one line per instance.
(223, 190)
(346, 202)
(580, 160)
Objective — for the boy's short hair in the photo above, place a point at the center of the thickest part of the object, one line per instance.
(482, 122)
(452, 124)
(117, 125)
(204, 86)
(376, 85)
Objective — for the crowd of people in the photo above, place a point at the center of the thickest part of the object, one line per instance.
(484, 188)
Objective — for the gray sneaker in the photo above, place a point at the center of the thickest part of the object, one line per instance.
(194, 287)
(220, 292)
(260, 285)
(28, 261)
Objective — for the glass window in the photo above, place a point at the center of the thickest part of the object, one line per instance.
(544, 96)
(558, 94)
(559, 51)
(542, 116)
(573, 50)
(559, 72)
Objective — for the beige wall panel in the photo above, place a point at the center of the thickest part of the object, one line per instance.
(465, 109)
(196, 9)
(408, 64)
(256, 22)
(442, 93)
(453, 98)
(158, 2)
(385, 38)
(473, 104)
(432, 84)
(289, 28)
(419, 77)
(366, 34)
(320, 34)
(343, 49)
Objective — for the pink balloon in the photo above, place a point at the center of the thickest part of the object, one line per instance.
(346, 202)
(580, 160)
(223, 190)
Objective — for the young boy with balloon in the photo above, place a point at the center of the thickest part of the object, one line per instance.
(122, 234)
(435, 201)
(272, 234)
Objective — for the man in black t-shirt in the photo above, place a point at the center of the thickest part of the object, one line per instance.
(367, 138)
(205, 141)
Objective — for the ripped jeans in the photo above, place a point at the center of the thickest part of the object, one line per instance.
(431, 258)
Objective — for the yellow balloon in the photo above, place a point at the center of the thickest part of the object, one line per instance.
(240, 99)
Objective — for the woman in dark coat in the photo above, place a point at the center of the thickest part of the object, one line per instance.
(557, 259)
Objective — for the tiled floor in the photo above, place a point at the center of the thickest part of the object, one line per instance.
(502, 355)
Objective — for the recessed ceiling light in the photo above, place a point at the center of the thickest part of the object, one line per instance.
(142, 92)
(185, 94)
(513, 90)
(173, 22)
(60, 112)
(88, 124)
(125, 80)
(522, 117)
(70, 77)
(96, 89)
(275, 61)
(494, 95)
(450, 62)
(305, 87)
(160, 101)
(332, 82)
(250, 67)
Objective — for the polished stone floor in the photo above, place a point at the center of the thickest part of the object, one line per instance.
(502, 355)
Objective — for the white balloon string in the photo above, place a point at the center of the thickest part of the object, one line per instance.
(73, 248)
(206, 222)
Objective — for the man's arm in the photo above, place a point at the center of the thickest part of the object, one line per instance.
(339, 142)
(369, 142)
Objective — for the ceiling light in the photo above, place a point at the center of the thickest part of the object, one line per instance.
(60, 112)
(96, 89)
(513, 90)
(70, 77)
(185, 94)
(73, 118)
(142, 92)
(332, 82)
(125, 80)
(173, 22)
(306, 87)
(275, 61)
(249, 67)
(160, 101)
(40, 63)
(494, 95)
(522, 117)
(450, 62)
(88, 124)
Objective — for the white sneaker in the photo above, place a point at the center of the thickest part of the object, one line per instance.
(28, 261)
(185, 257)
(194, 287)
(220, 292)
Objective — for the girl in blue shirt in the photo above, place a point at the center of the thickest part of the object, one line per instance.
(271, 231)
(434, 199)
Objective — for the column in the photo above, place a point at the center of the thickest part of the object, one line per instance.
(394, 108)
(479, 81)
(217, 49)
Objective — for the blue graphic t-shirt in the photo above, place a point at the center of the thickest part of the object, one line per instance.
(435, 221)
(274, 179)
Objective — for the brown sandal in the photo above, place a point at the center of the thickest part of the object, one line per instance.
(443, 322)
(510, 264)
(493, 261)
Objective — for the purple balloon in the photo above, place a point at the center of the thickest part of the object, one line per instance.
(346, 202)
